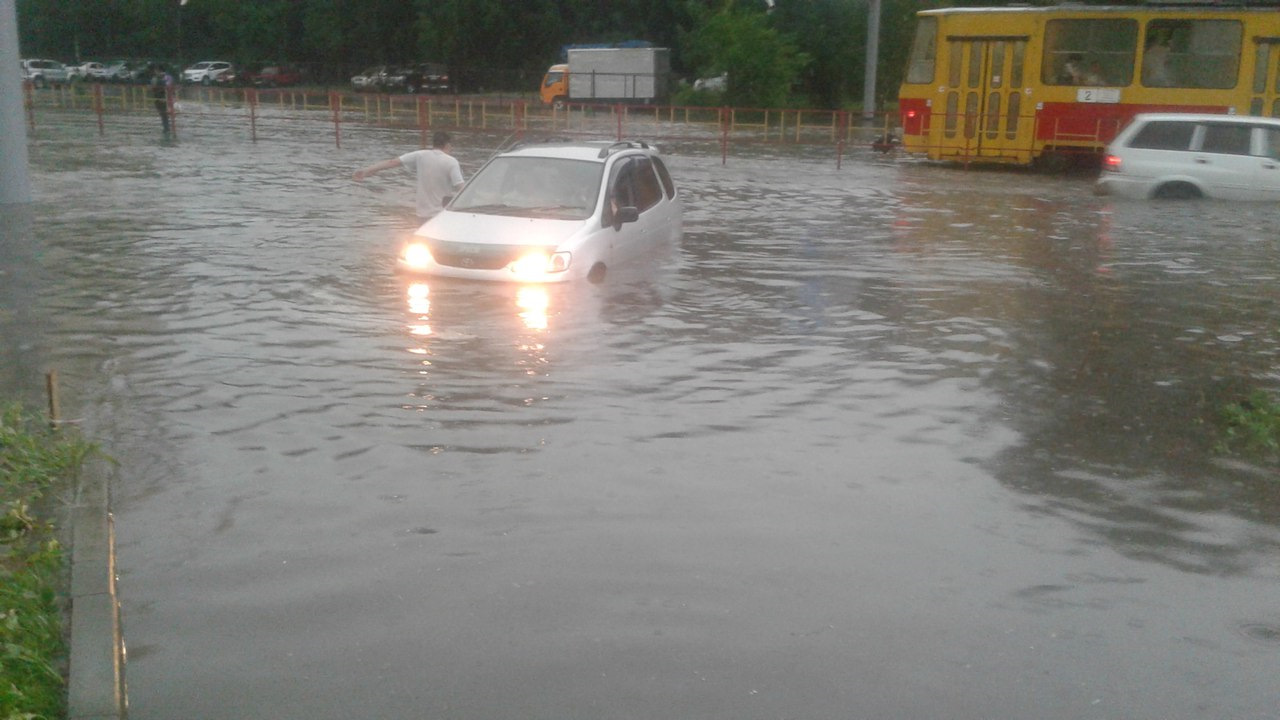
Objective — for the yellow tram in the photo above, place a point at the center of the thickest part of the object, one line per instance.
(1024, 85)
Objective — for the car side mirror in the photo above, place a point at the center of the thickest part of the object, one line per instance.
(627, 214)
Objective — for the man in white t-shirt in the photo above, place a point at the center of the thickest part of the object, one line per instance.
(438, 173)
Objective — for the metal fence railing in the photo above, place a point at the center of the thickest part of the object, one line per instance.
(261, 109)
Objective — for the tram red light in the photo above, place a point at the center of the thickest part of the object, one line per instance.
(911, 114)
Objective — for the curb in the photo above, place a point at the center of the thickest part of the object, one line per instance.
(95, 687)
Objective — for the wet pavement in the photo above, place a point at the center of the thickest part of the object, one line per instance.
(886, 441)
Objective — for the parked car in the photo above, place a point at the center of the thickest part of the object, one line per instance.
(275, 76)
(718, 83)
(552, 212)
(420, 78)
(234, 77)
(368, 79)
(205, 71)
(42, 73)
(1186, 155)
(90, 71)
(120, 70)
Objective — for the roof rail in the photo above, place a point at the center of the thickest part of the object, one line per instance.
(623, 145)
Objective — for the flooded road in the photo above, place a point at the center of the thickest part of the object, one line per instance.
(884, 441)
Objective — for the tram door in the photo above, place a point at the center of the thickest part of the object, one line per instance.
(984, 113)
(1265, 99)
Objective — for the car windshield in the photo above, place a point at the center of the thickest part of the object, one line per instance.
(533, 187)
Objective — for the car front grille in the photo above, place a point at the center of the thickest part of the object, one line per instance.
(478, 256)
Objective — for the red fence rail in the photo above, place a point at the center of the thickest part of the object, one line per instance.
(727, 126)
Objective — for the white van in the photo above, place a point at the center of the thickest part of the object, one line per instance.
(1185, 155)
(41, 73)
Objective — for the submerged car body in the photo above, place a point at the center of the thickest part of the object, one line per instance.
(1188, 155)
(552, 212)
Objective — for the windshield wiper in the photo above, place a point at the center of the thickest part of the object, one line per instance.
(495, 209)
(557, 209)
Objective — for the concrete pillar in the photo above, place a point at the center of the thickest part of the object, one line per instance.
(15, 185)
(873, 58)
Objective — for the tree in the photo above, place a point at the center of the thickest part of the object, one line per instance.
(762, 63)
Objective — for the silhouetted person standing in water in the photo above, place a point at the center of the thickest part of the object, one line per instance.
(161, 81)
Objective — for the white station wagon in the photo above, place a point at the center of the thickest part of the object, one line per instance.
(551, 212)
(1185, 155)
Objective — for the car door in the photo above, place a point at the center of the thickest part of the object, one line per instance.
(1267, 171)
(635, 184)
(1225, 161)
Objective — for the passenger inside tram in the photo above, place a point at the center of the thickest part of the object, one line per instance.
(1155, 61)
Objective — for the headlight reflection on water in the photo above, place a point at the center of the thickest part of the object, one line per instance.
(533, 302)
(532, 305)
(419, 295)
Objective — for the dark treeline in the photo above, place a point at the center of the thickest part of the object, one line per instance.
(809, 52)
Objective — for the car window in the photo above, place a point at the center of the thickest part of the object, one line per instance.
(1271, 142)
(1230, 139)
(1164, 135)
(533, 187)
(648, 191)
(667, 183)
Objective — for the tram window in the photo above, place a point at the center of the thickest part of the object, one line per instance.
(971, 115)
(975, 65)
(997, 64)
(1011, 122)
(1093, 51)
(923, 52)
(1261, 61)
(1226, 139)
(1192, 53)
(1015, 73)
(1164, 136)
(993, 116)
(953, 113)
(953, 65)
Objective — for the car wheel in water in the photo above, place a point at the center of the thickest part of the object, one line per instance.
(596, 275)
(206, 81)
(1177, 191)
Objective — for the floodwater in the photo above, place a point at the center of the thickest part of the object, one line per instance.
(885, 441)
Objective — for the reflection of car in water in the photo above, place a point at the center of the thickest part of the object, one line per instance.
(552, 212)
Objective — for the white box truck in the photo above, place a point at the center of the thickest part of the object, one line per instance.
(609, 75)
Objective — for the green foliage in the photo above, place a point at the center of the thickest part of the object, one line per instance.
(32, 461)
(762, 63)
(1252, 426)
(812, 48)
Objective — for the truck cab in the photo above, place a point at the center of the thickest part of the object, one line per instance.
(555, 84)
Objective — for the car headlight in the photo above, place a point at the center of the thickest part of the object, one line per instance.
(417, 256)
(540, 262)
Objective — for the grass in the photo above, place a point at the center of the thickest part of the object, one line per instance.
(33, 462)
(1251, 427)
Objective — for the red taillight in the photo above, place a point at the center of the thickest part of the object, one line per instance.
(911, 114)
(1111, 162)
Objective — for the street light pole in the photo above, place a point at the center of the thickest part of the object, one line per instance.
(873, 56)
(15, 184)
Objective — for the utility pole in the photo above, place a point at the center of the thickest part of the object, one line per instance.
(873, 57)
(15, 184)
